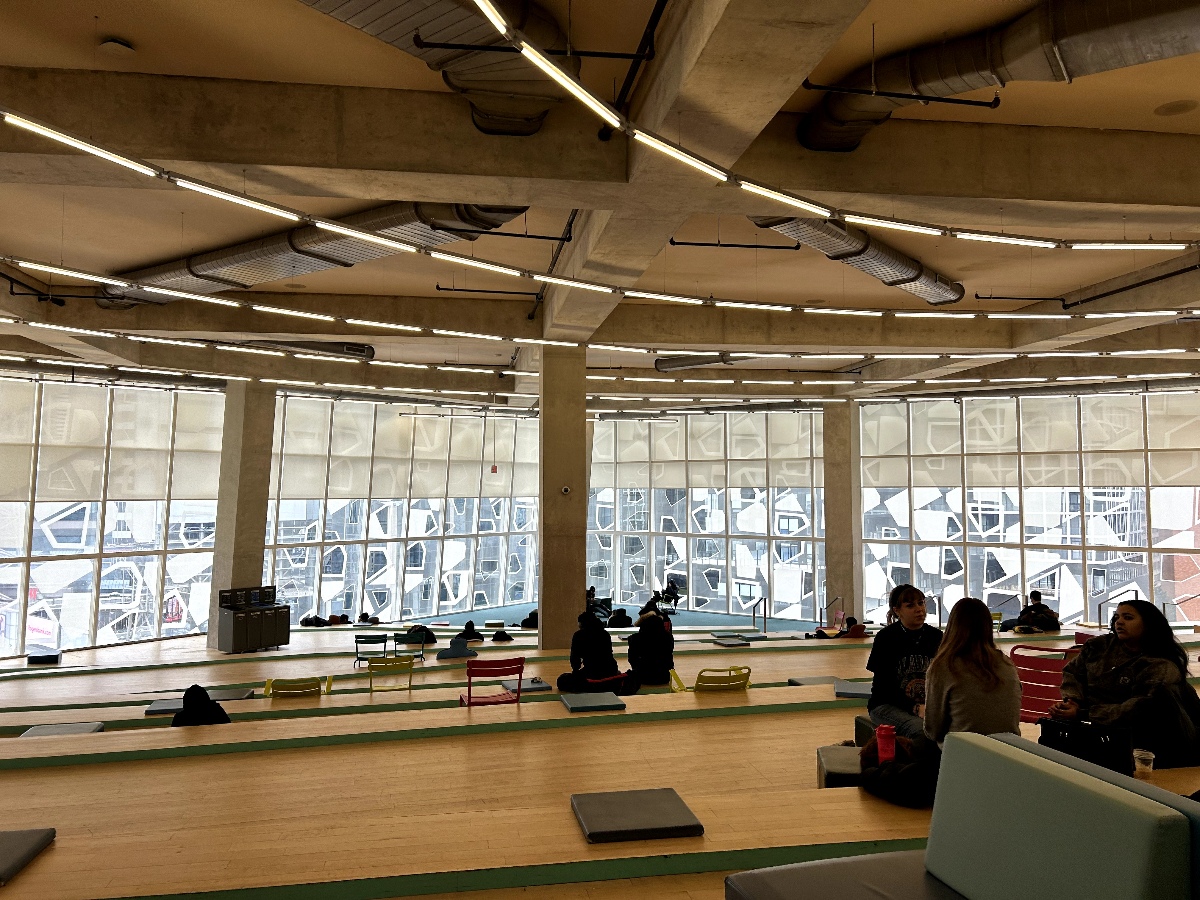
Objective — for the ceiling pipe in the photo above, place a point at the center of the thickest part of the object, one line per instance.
(854, 247)
(1059, 40)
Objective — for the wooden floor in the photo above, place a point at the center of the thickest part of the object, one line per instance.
(385, 810)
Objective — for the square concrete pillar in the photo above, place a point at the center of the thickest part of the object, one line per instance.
(843, 509)
(562, 522)
(243, 491)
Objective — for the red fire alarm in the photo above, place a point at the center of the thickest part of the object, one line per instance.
(494, 469)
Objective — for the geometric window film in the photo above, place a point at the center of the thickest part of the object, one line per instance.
(1082, 498)
(725, 506)
(107, 512)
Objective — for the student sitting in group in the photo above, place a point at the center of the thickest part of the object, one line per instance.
(671, 594)
(651, 650)
(469, 633)
(620, 619)
(199, 709)
(591, 657)
(970, 685)
(1036, 615)
(899, 657)
(853, 629)
(1136, 679)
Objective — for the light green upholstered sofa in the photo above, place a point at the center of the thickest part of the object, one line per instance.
(1009, 824)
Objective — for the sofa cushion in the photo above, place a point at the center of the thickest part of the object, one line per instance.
(1189, 808)
(875, 876)
(18, 848)
(996, 802)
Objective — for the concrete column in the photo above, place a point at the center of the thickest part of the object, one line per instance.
(843, 509)
(243, 491)
(562, 544)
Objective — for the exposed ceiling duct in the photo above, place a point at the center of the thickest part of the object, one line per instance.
(1059, 40)
(310, 249)
(506, 93)
(854, 247)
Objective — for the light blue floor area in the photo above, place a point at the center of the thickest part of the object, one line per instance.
(512, 615)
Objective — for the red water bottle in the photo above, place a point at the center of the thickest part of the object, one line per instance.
(885, 738)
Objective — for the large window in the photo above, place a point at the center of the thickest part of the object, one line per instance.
(1086, 499)
(107, 513)
(726, 506)
(376, 509)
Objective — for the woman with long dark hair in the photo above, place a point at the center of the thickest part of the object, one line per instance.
(1136, 678)
(970, 685)
(899, 657)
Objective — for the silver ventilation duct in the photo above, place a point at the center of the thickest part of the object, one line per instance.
(1060, 40)
(507, 94)
(310, 249)
(854, 247)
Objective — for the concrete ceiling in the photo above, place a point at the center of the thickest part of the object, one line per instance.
(337, 122)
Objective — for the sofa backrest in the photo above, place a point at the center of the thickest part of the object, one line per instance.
(1010, 824)
(1189, 808)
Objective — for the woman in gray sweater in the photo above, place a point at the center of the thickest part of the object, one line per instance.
(970, 685)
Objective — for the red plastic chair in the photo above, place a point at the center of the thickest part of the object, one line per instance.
(513, 667)
(1040, 670)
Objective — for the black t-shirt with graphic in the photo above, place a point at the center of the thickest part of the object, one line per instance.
(898, 660)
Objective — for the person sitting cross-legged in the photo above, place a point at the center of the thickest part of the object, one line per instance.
(899, 657)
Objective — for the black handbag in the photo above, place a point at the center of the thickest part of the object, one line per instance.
(1104, 745)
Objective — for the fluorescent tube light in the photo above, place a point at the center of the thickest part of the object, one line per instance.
(185, 295)
(256, 351)
(769, 307)
(954, 381)
(468, 334)
(679, 154)
(837, 381)
(1150, 375)
(368, 323)
(475, 263)
(174, 342)
(350, 387)
(317, 357)
(138, 167)
(71, 273)
(69, 330)
(74, 364)
(703, 380)
(398, 365)
(1144, 352)
(843, 312)
(465, 369)
(1005, 239)
(807, 205)
(141, 371)
(1116, 245)
(1018, 380)
(1132, 314)
(299, 314)
(615, 349)
(216, 377)
(830, 356)
(893, 224)
(933, 315)
(669, 298)
(288, 381)
(240, 200)
(523, 373)
(545, 343)
(983, 356)
(1028, 316)
(752, 381)
(7, 358)
(890, 381)
(493, 15)
(639, 378)
(600, 377)
(571, 86)
(363, 235)
(907, 355)
(572, 283)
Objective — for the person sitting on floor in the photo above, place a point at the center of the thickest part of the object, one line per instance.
(592, 658)
(899, 657)
(620, 619)
(469, 633)
(530, 621)
(651, 650)
(199, 709)
(853, 629)
(1037, 615)
(970, 685)
(671, 594)
(1136, 678)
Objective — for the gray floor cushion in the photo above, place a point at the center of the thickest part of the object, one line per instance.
(875, 876)
(858, 690)
(172, 705)
(838, 766)
(634, 815)
(726, 634)
(731, 642)
(64, 728)
(18, 848)
(528, 685)
(603, 700)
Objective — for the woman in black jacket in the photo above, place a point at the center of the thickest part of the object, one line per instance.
(591, 657)
(651, 651)
(899, 657)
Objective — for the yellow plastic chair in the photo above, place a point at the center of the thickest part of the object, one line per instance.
(389, 668)
(735, 678)
(298, 687)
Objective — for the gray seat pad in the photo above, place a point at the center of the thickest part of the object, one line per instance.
(528, 685)
(859, 690)
(172, 705)
(634, 815)
(18, 848)
(64, 728)
(601, 700)
(875, 876)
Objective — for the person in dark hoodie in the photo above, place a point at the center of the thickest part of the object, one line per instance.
(469, 633)
(199, 709)
(651, 650)
(591, 657)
